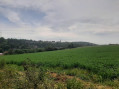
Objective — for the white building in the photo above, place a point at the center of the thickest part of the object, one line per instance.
(1, 53)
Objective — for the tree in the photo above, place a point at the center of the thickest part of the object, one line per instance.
(71, 45)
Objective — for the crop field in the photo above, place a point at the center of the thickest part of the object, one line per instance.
(102, 60)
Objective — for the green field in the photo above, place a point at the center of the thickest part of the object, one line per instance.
(102, 60)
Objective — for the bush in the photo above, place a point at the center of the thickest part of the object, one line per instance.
(74, 84)
(18, 51)
(2, 63)
(9, 78)
(73, 72)
(40, 50)
(33, 76)
(1, 50)
(10, 51)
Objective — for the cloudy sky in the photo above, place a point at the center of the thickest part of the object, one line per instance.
(94, 21)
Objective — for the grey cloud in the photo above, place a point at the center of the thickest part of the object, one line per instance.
(86, 20)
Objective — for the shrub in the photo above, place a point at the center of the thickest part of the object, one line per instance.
(71, 72)
(74, 84)
(9, 78)
(18, 51)
(1, 50)
(2, 63)
(33, 76)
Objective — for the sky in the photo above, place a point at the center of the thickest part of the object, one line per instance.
(95, 21)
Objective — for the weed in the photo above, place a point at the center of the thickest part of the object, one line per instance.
(74, 84)
(2, 63)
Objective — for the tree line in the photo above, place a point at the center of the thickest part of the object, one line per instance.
(19, 46)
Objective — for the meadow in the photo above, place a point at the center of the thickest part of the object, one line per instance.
(101, 60)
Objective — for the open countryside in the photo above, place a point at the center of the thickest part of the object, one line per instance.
(100, 62)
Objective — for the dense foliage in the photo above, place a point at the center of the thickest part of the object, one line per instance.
(19, 46)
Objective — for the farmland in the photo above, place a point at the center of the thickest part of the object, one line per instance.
(102, 61)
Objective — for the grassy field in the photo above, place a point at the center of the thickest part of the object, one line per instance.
(102, 60)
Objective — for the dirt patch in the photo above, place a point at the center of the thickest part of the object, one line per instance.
(63, 78)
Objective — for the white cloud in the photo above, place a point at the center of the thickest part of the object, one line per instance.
(71, 20)
(12, 16)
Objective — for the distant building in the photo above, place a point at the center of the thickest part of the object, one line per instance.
(1, 53)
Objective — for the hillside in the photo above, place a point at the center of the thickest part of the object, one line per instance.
(13, 44)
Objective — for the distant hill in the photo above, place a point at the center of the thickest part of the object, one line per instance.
(10, 43)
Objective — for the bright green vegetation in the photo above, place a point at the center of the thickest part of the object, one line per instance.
(101, 60)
